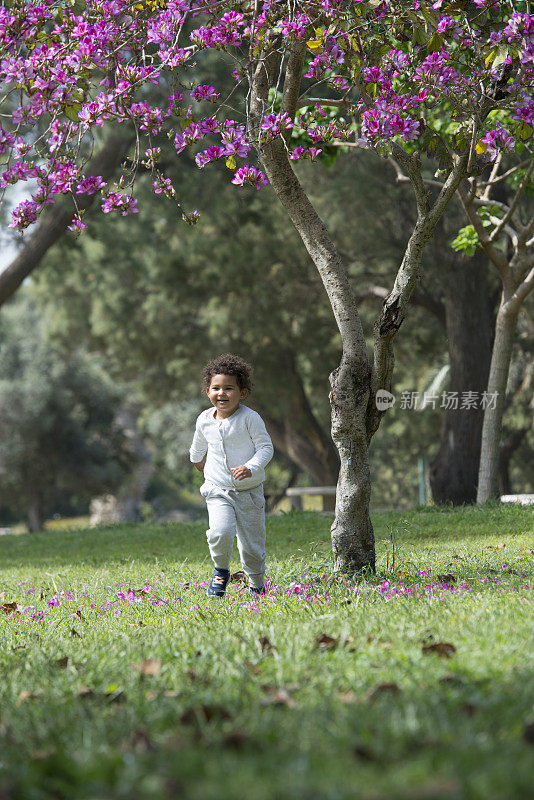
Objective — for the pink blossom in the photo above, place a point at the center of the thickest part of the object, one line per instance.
(251, 176)
(90, 185)
(204, 92)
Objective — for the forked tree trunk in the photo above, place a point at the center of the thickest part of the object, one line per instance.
(352, 536)
(355, 417)
(498, 379)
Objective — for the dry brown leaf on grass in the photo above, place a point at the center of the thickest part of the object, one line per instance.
(74, 633)
(266, 645)
(382, 689)
(27, 695)
(254, 668)
(278, 697)
(150, 666)
(61, 663)
(446, 578)
(499, 546)
(325, 642)
(10, 608)
(442, 649)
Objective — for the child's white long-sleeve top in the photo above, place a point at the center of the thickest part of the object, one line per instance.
(240, 439)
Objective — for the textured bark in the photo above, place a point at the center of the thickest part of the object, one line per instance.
(454, 470)
(517, 276)
(498, 378)
(352, 531)
(54, 224)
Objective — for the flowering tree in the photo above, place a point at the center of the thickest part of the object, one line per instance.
(448, 79)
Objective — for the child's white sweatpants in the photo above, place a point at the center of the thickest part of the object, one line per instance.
(243, 513)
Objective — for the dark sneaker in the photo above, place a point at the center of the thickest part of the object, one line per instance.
(217, 587)
(257, 589)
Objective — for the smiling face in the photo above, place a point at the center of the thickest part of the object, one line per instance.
(225, 394)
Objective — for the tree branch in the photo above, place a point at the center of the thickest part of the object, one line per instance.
(54, 224)
(395, 305)
(418, 298)
(323, 101)
(293, 77)
(513, 205)
(495, 256)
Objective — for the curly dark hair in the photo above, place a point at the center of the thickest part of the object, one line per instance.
(228, 364)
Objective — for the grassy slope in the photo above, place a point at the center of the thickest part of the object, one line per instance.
(98, 727)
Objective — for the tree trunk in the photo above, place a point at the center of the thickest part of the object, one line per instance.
(352, 532)
(35, 513)
(454, 470)
(498, 378)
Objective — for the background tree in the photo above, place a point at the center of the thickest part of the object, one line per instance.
(58, 431)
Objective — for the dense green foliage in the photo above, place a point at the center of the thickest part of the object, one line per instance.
(185, 698)
(59, 437)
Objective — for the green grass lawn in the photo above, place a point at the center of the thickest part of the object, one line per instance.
(324, 689)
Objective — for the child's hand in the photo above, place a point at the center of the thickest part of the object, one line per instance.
(241, 472)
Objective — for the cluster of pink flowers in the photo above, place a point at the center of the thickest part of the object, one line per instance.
(122, 600)
(71, 73)
(497, 141)
(204, 92)
(250, 176)
(115, 201)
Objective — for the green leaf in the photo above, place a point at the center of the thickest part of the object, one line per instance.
(435, 43)
(525, 131)
(72, 111)
(466, 241)
(502, 55)
(490, 57)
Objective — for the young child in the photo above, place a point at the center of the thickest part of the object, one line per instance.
(232, 448)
